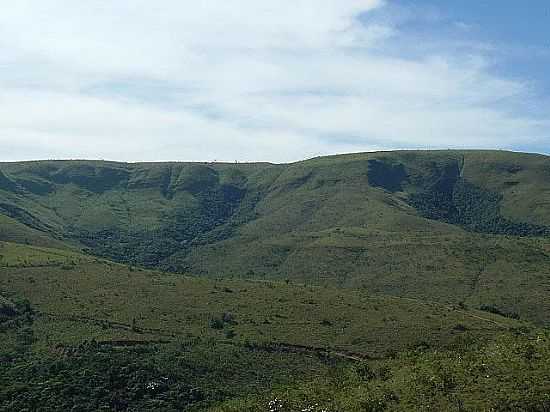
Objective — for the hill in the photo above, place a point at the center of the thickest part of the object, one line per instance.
(86, 333)
(378, 281)
(466, 227)
(95, 299)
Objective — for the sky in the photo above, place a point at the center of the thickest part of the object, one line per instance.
(270, 80)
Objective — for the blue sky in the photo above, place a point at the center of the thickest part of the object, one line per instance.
(520, 30)
(271, 80)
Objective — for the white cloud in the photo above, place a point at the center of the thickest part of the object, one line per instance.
(271, 80)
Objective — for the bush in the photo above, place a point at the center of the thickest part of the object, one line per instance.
(493, 309)
(228, 317)
(460, 328)
(216, 323)
(364, 371)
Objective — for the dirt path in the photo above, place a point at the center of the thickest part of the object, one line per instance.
(311, 350)
(161, 333)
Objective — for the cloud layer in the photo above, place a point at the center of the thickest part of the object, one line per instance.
(275, 80)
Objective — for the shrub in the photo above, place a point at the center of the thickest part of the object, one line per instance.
(493, 309)
(216, 323)
(460, 328)
(228, 317)
(364, 371)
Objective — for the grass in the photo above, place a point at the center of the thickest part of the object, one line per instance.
(69, 289)
(375, 281)
(344, 220)
(507, 374)
(213, 340)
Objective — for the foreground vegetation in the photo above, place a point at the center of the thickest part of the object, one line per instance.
(510, 373)
(85, 333)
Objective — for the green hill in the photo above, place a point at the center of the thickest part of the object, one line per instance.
(367, 282)
(450, 226)
(85, 333)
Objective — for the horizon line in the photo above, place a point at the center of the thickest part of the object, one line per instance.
(251, 162)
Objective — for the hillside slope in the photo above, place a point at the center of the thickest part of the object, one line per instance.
(470, 227)
(82, 333)
(78, 298)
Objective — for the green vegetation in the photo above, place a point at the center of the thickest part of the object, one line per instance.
(14, 314)
(366, 282)
(103, 335)
(282, 221)
(510, 373)
(80, 299)
(184, 376)
(454, 200)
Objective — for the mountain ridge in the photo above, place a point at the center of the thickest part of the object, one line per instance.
(456, 224)
(253, 162)
(378, 281)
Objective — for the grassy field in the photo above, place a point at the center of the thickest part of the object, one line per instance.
(230, 338)
(77, 296)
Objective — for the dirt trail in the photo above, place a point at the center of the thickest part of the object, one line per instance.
(112, 324)
(162, 333)
(342, 354)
